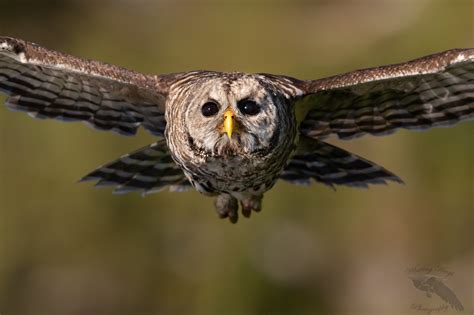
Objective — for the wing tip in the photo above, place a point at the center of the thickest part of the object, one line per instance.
(461, 55)
(88, 178)
(13, 47)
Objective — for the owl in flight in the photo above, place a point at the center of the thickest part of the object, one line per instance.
(233, 135)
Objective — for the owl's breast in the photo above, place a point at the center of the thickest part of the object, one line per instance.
(234, 174)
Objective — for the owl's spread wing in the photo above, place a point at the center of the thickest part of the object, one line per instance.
(49, 84)
(149, 169)
(436, 90)
(332, 166)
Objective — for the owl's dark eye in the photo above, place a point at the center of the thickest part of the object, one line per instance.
(209, 109)
(248, 107)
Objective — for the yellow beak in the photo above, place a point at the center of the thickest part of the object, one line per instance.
(229, 123)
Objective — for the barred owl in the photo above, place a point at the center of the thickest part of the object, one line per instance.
(233, 135)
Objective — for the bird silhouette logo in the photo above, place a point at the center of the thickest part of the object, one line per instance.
(432, 283)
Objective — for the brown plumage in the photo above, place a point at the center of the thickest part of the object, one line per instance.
(233, 135)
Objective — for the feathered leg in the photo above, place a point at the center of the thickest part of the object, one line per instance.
(227, 207)
(251, 203)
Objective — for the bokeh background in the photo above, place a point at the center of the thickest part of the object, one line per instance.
(68, 249)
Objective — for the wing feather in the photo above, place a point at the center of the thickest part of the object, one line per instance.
(49, 84)
(432, 91)
(332, 166)
(149, 169)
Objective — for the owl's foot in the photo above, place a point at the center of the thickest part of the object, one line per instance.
(252, 203)
(227, 207)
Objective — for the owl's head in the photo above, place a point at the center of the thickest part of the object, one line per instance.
(230, 114)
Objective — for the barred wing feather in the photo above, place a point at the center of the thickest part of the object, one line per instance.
(330, 165)
(149, 169)
(49, 84)
(436, 90)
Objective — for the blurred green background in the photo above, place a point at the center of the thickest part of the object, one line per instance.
(68, 249)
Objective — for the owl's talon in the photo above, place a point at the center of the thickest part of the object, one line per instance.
(233, 217)
(227, 207)
(252, 203)
(246, 211)
(222, 215)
